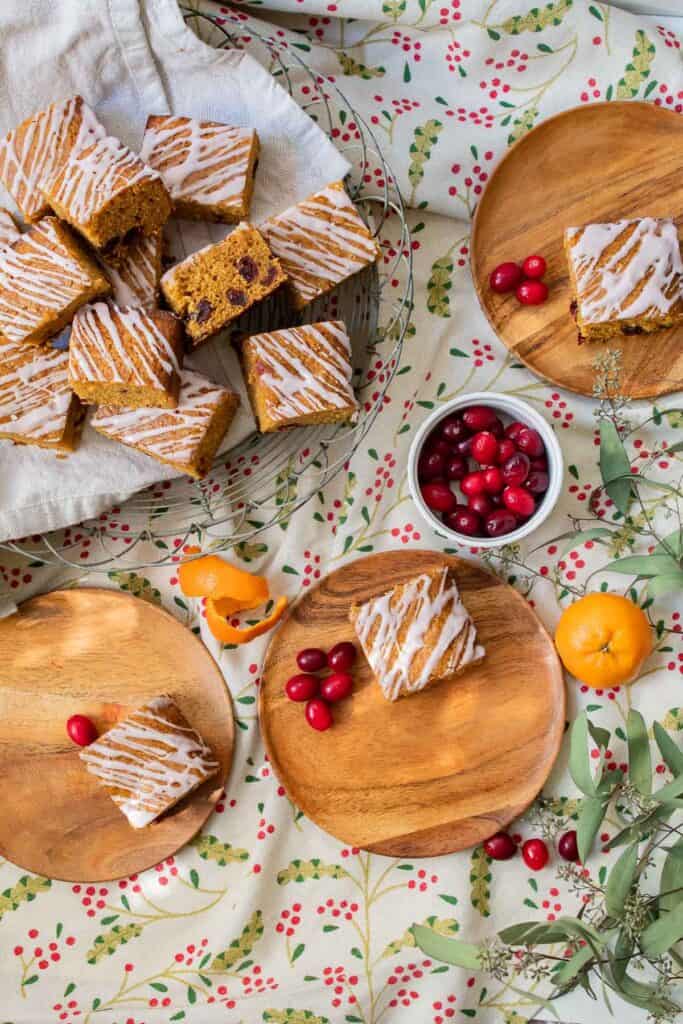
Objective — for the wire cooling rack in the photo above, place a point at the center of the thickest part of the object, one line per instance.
(265, 479)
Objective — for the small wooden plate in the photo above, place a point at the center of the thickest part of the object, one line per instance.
(99, 653)
(599, 162)
(435, 772)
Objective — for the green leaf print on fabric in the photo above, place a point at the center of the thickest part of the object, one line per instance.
(638, 69)
(522, 124)
(293, 1017)
(480, 876)
(242, 946)
(304, 870)
(441, 925)
(24, 891)
(425, 138)
(137, 585)
(538, 18)
(107, 943)
(438, 287)
(350, 66)
(210, 848)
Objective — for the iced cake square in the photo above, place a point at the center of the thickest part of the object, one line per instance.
(37, 405)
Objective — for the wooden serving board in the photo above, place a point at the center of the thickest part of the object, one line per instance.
(99, 653)
(434, 772)
(599, 162)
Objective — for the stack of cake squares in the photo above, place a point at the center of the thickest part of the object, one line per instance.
(89, 318)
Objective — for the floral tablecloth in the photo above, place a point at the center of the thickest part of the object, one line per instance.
(264, 917)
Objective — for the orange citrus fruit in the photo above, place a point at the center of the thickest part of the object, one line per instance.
(603, 640)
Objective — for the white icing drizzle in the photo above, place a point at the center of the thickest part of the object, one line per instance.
(201, 161)
(9, 232)
(411, 607)
(39, 277)
(650, 253)
(123, 345)
(303, 238)
(168, 434)
(133, 270)
(306, 369)
(35, 397)
(149, 761)
(33, 151)
(91, 174)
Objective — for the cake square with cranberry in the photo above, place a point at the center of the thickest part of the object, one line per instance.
(150, 760)
(44, 278)
(300, 375)
(124, 356)
(320, 242)
(9, 232)
(133, 267)
(37, 405)
(207, 167)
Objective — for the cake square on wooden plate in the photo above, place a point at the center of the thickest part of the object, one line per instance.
(104, 190)
(626, 277)
(150, 760)
(186, 437)
(207, 167)
(300, 375)
(133, 266)
(44, 278)
(417, 633)
(37, 405)
(216, 284)
(9, 232)
(320, 242)
(35, 149)
(124, 356)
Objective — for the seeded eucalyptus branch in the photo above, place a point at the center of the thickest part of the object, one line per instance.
(627, 923)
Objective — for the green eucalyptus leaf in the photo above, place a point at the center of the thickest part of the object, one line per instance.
(614, 466)
(623, 950)
(620, 881)
(591, 813)
(670, 791)
(669, 583)
(635, 992)
(600, 737)
(663, 933)
(671, 544)
(533, 933)
(643, 565)
(672, 756)
(639, 763)
(572, 967)
(671, 881)
(579, 759)
(450, 951)
(599, 533)
(641, 826)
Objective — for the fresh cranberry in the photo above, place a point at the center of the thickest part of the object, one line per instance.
(519, 501)
(463, 447)
(81, 730)
(493, 480)
(568, 847)
(534, 266)
(496, 428)
(342, 656)
(438, 496)
(318, 714)
(530, 442)
(537, 481)
(312, 659)
(464, 520)
(532, 293)
(481, 504)
(506, 449)
(479, 417)
(540, 463)
(535, 854)
(430, 465)
(453, 429)
(499, 522)
(513, 430)
(438, 445)
(301, 687)
(516, 469)
(336, 687)
(456, 467)
(484, 448)
(500, 847)
(473, 483)
(505, 277)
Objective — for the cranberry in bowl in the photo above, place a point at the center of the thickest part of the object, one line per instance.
(485, 469)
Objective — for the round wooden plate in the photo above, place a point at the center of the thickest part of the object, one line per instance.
(434, 772)
(99, 653)
(599, 162)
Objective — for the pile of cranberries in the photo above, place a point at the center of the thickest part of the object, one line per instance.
(319, 692)
(502, 472)
(524, 281)
(534, 851)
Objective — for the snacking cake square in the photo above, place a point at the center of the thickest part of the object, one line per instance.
(207, 167)
(320, 242)
(299, 376)
(124, 356)
(150, 760)
(186, 437)
(37, 405)
(626, 277)
(133, 267)
(417, 633)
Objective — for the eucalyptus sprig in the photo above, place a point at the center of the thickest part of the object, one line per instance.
(626, 923)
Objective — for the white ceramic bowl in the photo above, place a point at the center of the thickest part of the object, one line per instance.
(509, 409)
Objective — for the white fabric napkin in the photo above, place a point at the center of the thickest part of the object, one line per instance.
(131, 58)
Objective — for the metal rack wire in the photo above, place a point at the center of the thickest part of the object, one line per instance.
(264, 480)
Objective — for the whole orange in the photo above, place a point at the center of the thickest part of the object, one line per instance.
(603, 640)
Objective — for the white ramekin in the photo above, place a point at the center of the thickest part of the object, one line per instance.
(510, 409)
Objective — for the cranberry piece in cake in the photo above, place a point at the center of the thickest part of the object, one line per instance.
(320, 242)
(133, 267)
(37, 405)
(207, 167)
